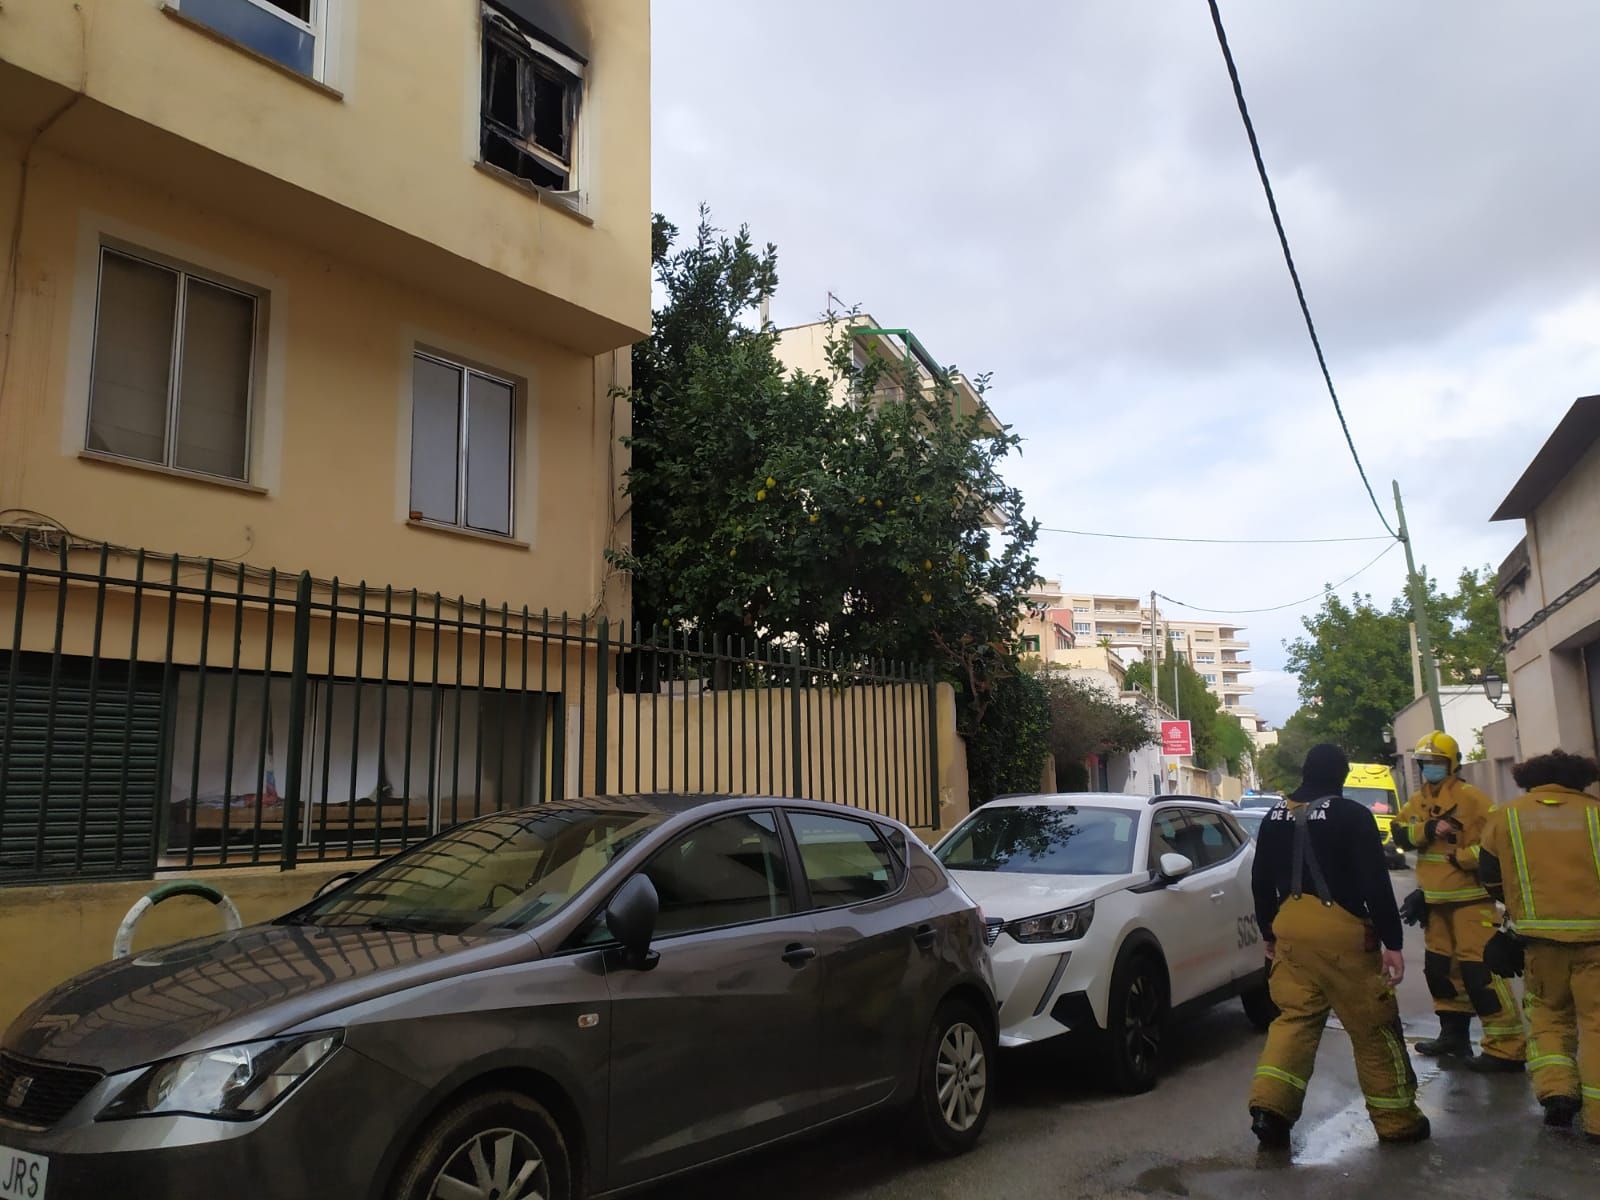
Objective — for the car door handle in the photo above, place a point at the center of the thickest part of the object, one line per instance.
(1218, 895)
(925, 937)
(797, 955)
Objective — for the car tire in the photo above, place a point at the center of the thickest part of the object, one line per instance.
(1136, 1019)
(514, 1138)
(1258, 1005)
(955, 1080)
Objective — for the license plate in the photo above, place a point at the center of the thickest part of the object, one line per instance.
(22, 1174)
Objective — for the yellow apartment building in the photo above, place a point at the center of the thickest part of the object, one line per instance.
(805, 348)
(312, 321)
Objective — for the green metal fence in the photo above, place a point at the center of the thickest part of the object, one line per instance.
(160, 713)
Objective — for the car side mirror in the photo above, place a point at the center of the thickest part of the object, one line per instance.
(333, 882)
(631, 919)
(1174, 867)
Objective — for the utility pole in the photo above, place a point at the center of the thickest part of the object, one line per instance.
(1155, 694)
(1419, 612)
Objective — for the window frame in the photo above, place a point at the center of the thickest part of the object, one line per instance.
(899, 869)
(1187, 813)
(537, 53)
(184, 272)
(317, 27)
(1193, 815)
(463, 435)
(1152, 859)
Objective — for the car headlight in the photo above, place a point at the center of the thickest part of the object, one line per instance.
(230, 1083)
(1060, 926)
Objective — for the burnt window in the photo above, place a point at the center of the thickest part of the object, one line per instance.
(531, 90)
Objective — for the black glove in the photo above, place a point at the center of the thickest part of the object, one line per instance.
(1414, 908)
(1503, 954)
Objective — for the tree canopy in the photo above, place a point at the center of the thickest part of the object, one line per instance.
(1084, 720)
(857, 512)
(1354, 663)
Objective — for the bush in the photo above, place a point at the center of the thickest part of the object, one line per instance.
(1007, 746)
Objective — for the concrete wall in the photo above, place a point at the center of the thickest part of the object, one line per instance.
(1467, 711)
(52, 933)
(866, 746)
(1547, 670)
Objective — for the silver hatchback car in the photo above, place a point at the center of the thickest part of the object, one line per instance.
(556, 1002)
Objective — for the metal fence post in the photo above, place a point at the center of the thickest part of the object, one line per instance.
(602, 676)
(933, 749)
(294, 758)
(797, 756)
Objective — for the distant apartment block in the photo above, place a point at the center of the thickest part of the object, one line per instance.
(1215, 649)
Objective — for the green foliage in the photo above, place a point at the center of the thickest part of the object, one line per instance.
(1354, 671)
(1465, 625)
(1085, 721)
(1234, 744)
(1280, 765)
(1006, 749)
(1219, 740)
(1354, 663)
(881, 528)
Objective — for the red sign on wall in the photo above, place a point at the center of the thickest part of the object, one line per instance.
(1175, 738)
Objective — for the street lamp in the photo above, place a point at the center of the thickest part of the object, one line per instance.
(1495, 689)
(1388, 735)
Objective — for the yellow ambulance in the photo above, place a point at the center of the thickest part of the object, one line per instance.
(1372, 784)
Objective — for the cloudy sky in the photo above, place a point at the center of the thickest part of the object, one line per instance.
(1060, 192)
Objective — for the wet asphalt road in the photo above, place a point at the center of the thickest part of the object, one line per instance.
(1054, 1134)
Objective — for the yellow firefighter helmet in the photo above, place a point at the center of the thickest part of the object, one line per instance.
(1440, 744)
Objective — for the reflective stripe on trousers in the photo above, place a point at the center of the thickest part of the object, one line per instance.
(1563, 988)
(1323, 965)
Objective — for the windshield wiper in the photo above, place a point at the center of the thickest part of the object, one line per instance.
(401, 925)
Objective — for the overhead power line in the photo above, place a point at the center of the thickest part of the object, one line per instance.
(1288, 258)
(1142, 537)
(1317, 595)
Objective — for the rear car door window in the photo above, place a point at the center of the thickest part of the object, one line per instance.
(726, 872)
(1167, 836)
(846, 861)
(1210, 838)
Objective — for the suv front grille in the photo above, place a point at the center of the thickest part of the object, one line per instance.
(40, 1094)
(991, 930)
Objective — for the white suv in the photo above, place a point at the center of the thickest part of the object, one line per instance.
(1107, 912)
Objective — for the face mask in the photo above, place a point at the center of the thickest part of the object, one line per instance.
(1435, 772)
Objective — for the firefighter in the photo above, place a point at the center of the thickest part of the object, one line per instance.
(1333, 937)
(1541, 854)
(1443, 822)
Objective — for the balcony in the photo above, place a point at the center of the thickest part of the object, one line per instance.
(1241, 665)
(1233, 644)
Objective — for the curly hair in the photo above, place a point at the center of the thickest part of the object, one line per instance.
(1575, 771)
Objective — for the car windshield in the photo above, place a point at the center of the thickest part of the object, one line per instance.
(1379, 800)
(1250, 821)
(1044, 840)
(1258, 800)
(487, 876)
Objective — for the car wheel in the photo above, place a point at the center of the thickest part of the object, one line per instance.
(955, 1080)
(1258, 1005)
(494, 1146)
(1137, 1019)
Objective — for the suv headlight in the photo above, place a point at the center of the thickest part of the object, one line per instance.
(1060, 926)
(230, 1083)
